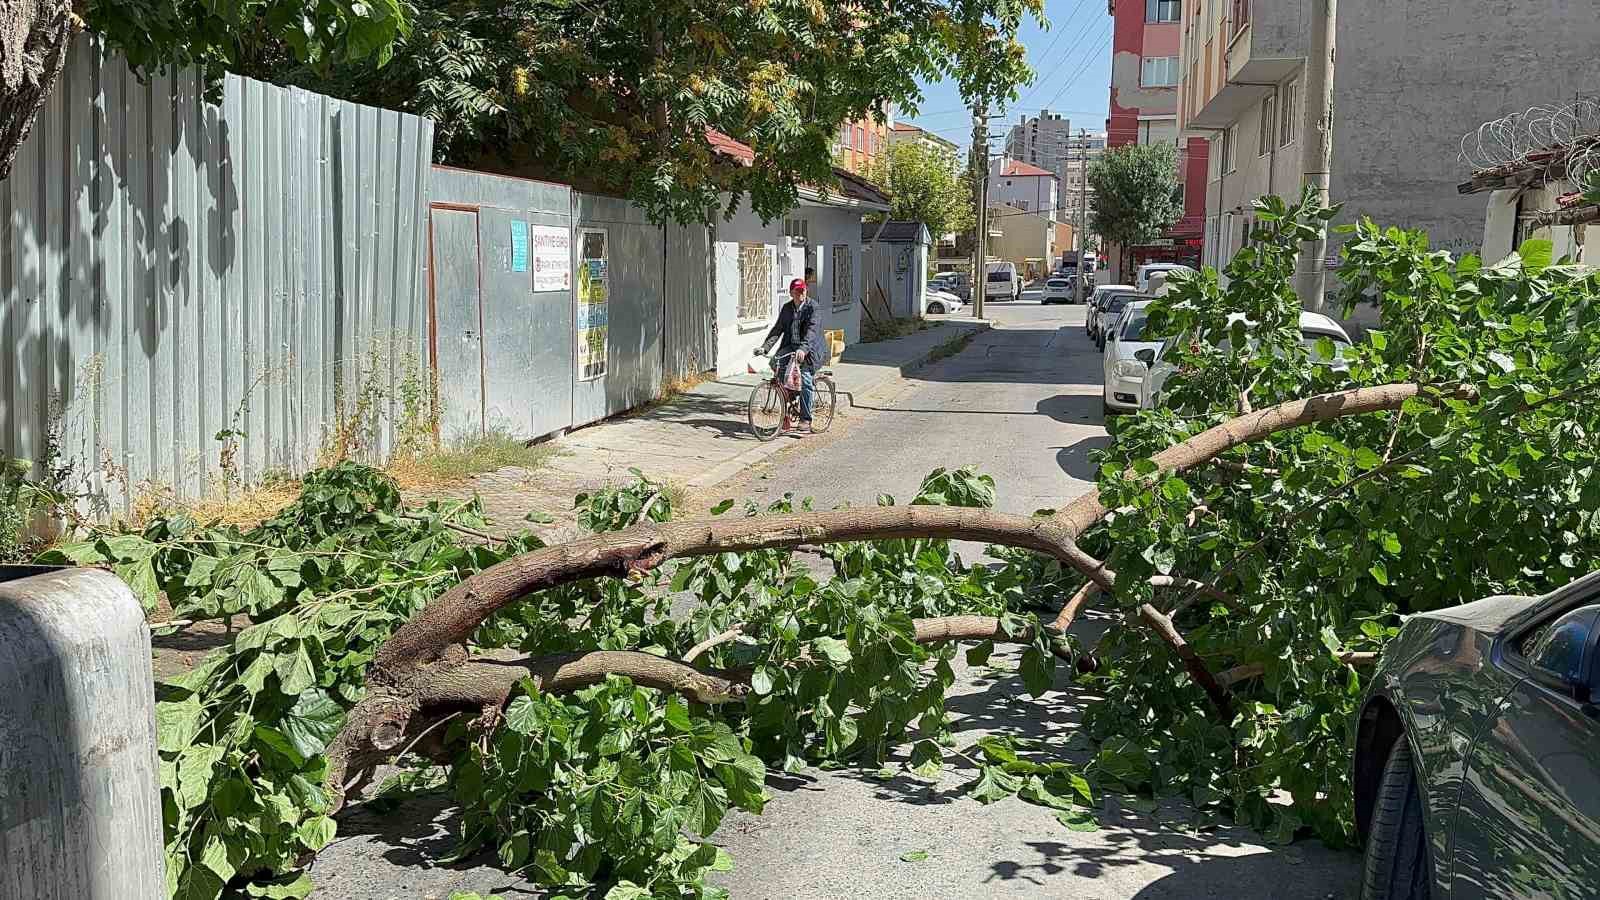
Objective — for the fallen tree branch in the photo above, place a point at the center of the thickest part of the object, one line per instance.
(451, 620)
(1191, 660)
(1069, 611)
(716, 640)
(1230, 677)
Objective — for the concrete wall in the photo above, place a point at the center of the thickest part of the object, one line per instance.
(1414, 75)
(1257, 170)
(736, 340)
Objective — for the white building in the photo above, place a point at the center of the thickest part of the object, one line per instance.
(906, 133)
(1040, 140)
(1024, 186)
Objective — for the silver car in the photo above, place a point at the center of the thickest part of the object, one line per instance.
(1057, 289)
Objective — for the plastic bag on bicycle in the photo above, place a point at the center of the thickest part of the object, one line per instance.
(791, 375)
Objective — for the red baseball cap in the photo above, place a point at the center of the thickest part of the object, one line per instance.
(797, 283)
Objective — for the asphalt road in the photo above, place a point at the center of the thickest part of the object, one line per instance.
(1021, 403)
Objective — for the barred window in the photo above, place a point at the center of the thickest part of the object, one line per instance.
(843, 276)
(755, 283)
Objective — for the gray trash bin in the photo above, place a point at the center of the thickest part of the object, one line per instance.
(80, 799)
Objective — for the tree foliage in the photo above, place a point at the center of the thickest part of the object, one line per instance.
(926, 186)
(600, 706)
(618, 95)
(1136, 193)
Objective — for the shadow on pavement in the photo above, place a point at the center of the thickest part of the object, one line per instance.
(1074, 460)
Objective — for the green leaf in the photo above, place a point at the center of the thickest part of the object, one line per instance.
(761, 681)
(290, 887)
(835, 651)
(523, 715)
(914, 856)
(313, 721)
(677, 715)
(707, 803)
(1077, 820)
(993, 784)
(1380, 573)
(1537, 254)
(1038, 670)
(295, 672)
(177, 723)
(978, 654)
(722, 507)
(316, 833)
(1368, 459)
(1506, 363)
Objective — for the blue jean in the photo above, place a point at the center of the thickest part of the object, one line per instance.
(808, 383)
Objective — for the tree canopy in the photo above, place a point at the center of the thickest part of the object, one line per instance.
(1136, 193)
(926, 185)
(618, 96)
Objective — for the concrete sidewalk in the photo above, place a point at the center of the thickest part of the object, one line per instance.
(693, 441)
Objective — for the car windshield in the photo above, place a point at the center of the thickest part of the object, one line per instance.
(1134, 326)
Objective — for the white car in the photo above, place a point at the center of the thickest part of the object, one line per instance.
(1313, 328)
(1003, 282)
(1142, 280)
(941, 303)
(1057, 289)
(1109, 310)
(1096, 299)
(1123, 372)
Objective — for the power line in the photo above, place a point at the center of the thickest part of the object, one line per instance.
(1083, 4)
(1081, 69)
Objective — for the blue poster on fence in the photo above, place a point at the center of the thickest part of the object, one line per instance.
(519, 245)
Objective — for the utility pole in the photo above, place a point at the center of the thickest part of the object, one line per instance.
(1083, 208)
(980, 163)
(1317, 143)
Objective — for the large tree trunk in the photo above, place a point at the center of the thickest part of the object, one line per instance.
(424, 672)
(34, 38)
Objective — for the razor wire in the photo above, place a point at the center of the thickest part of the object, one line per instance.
(1563, 139)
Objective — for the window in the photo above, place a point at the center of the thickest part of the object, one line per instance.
(844, 292)
(1269, 130)
(798, 229)
(1288, 112)
(755, 283)
(1159, 71)
(1241, 15)
(861, 138)
(1229, 139)
(1162, 10)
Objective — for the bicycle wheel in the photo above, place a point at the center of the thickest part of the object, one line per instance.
(823, 400)
(766, 411)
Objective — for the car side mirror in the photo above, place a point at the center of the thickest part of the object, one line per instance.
(1146, 356)
(1563, 658)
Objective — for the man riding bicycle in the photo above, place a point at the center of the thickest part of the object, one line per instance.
(797, 332)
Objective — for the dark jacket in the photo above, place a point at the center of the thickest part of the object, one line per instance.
(798, 329)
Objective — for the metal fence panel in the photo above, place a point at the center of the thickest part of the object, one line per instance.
(196, 294)
(635, 270)
(524, 384)
(690, 340)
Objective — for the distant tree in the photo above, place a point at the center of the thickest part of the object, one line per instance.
(1136, 193)
(927, 187)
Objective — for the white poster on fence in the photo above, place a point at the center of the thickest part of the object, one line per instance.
(552, 257)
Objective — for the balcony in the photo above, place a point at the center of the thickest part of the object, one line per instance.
(1265, 43)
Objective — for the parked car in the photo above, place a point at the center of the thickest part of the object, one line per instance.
(1123, 372)
(1095, 300)
(1313, 328)
(956, 283)
(1057, 289)
(1004, 282)
(1142, 279)
(940, 303)
(1110, 308)
(1476, 766)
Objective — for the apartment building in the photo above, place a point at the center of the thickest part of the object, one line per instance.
(1076, 192)
(1145, 66)
(904, 132)
(1040, 140)
(1411, 77)
(861, 143)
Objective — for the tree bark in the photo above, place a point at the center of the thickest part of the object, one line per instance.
(34, 38)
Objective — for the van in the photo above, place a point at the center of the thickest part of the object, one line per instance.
(1142, 280)
(1003, 282)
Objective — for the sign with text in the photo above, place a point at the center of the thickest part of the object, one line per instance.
(519, 245)
(594, 296)
(552, 257)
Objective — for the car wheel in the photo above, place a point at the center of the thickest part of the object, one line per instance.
(936, 308)
(1396, 865)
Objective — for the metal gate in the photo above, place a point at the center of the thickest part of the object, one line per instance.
(689, 345)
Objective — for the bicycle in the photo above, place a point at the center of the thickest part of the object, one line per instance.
(773, 408)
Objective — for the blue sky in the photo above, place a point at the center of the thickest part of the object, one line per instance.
(1072, 65)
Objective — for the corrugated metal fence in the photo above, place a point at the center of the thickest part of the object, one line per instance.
(194, 293)
(507, 353)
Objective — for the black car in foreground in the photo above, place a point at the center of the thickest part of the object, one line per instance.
(1477, 761)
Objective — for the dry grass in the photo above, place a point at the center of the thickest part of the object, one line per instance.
(873, 330)
(244, 507)
(464, 459)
